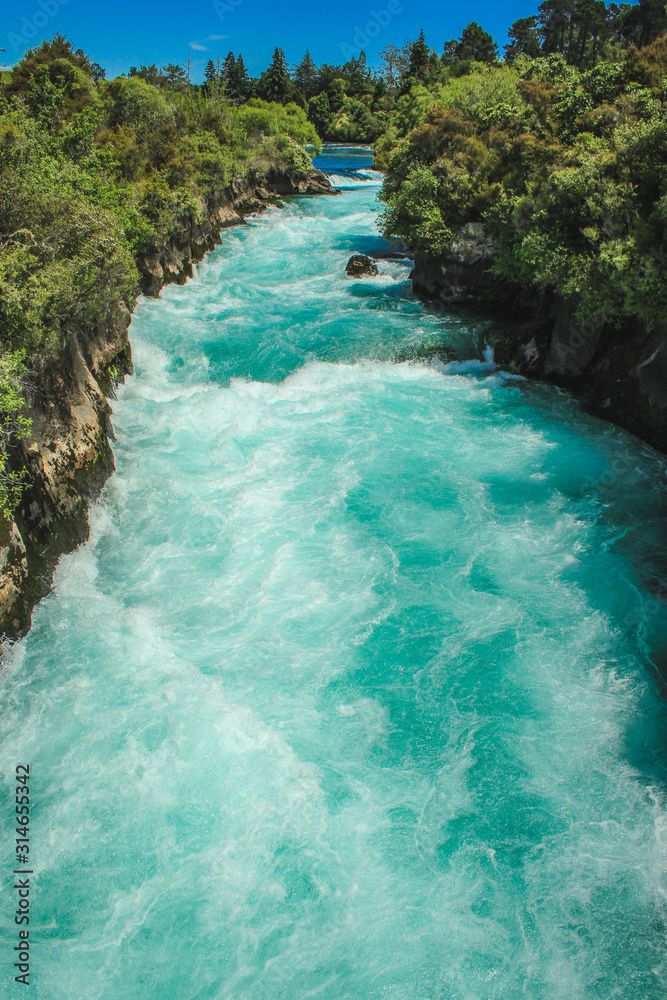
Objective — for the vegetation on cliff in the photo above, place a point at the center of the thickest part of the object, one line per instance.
(559, 154)
(92, 175)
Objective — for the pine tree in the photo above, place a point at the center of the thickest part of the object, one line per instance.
(476, 44)
(305, 76)
(644, 22)
(243, 85)
(275, 83)
(319, 113)
(523, 39)
(556, 24)
(175, 76)
(229, 74)
(419, 54)
(357, 73)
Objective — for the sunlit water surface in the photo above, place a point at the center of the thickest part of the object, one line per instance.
(355, 690)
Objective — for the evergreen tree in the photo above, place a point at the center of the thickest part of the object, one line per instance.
(357, 73)
(151, 74)
(523, 39)
(275, 83)
(556, 24)
(336, 94)
(449, 52)
(175, 76)
(419, 56)
(243, 84)
(644, 22)
(380, 94)
(591, 15)
(229, 75)
(476, 44)
(210, 72)
(305, 76)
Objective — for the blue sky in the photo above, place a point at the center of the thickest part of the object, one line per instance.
(122, 33)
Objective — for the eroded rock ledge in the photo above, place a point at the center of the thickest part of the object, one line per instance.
(68, 455)
(618, 372)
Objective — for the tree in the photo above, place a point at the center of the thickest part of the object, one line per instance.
(380, 94)
(449, 52)
(556, 22)
(229, 75)
(523, 39)
(175, 76)
(644, 22)
(419, 55)
(59, 58)
(319, 113)
(275, 83)
(592, 15)
(305, 76)
(337, 95)
(357, 73)
(395, 67)
(476, 44)
(151, 74)
(243, 84)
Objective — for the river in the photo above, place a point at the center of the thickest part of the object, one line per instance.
(355, 690)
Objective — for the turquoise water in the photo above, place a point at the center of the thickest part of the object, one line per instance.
(355, 690)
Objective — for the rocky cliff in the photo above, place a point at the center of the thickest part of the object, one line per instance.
(618, 371)
(67, 457)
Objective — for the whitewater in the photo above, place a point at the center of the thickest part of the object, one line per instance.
(356, 690)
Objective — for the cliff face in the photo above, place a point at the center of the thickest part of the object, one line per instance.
(67, 456)
(172, 262)
(618, 372)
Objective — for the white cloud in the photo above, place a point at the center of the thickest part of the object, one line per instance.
(216, 38)
(198, 47)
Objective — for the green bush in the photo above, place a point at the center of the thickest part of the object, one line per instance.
(93, 174)
(566, 170)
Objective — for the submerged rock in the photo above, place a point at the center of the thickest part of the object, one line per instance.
(359, 264)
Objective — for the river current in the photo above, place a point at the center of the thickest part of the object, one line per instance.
(355, 690)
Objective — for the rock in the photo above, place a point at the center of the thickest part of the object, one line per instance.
(618, 370)
(573, 342)
(172, 260)
(284, 182)
(13, 566)
(463, 276)
(319, 183)
(359, 264)
(68, 457)
(390, 255)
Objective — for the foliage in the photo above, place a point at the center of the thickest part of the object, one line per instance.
(475, 45)
(13, 424)
(94, 173)
(564, 168)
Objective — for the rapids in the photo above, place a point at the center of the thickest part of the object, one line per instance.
(355, 691)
